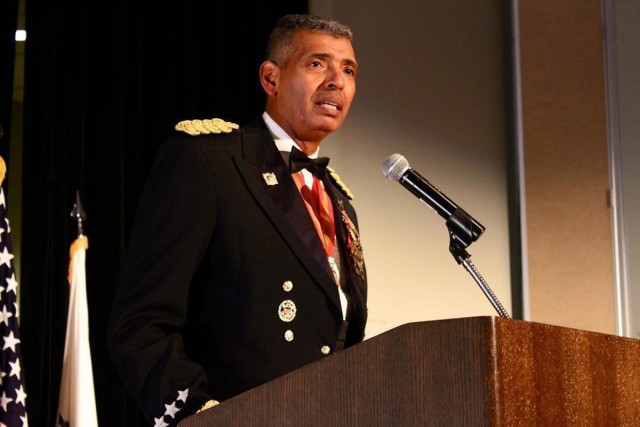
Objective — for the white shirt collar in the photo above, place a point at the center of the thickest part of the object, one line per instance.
(283, 141)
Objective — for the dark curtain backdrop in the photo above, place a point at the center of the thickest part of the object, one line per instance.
(104, 85)
(8, 24)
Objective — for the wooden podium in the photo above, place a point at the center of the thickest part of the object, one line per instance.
(476, 371)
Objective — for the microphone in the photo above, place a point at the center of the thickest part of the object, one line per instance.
(462, 226)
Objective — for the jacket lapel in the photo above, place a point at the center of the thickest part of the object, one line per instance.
(268, 178)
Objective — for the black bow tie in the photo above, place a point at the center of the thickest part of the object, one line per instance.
(298, 161)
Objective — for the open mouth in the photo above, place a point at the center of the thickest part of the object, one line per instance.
(331, 106)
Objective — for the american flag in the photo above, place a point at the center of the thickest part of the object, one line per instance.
(13, 398)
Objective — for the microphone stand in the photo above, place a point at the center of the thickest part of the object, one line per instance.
(460, 225)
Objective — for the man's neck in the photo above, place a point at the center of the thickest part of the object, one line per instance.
(282, 138)
(308, 148)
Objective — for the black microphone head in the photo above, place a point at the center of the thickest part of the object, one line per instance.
(395, 166)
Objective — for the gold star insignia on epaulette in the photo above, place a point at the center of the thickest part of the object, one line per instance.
(197, 127)
(339, 183)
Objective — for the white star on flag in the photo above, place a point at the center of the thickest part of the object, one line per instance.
(15, 369)
(13, 284)
(5, 315)
(5, 257)
(4, 401)
(10, 341)
(21, 396)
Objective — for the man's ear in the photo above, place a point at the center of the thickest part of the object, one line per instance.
(269, 77)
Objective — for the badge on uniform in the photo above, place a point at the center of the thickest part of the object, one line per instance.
(287, 310)
(270, 178)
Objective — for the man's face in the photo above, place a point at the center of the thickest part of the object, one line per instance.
(316, 86)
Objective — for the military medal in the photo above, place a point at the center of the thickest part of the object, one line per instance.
(353, 242)
(287, 310)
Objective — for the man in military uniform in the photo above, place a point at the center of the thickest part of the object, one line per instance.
(245, 261)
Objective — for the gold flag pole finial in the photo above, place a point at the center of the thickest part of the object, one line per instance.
(78, 213)
(80, 216)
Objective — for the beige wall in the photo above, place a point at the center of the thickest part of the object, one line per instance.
(433, 86)
(565, 159)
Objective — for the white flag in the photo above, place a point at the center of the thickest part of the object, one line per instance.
(77, 404)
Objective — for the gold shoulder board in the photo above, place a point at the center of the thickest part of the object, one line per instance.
(197, 127)
(339, 183)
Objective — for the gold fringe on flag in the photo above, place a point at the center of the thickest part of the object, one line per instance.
(80, 243)
(3, 170)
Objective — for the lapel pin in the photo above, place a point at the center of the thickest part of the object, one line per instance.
(270, 178)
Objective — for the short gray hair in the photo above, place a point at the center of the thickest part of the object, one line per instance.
(280, 41)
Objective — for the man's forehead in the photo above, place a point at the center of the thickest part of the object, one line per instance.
(314, 44)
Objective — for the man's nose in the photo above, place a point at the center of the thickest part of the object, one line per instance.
(335, 78)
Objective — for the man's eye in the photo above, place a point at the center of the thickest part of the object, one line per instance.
(350, 71)
(315, 64)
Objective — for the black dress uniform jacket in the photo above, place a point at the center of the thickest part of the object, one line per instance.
(221, 239)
